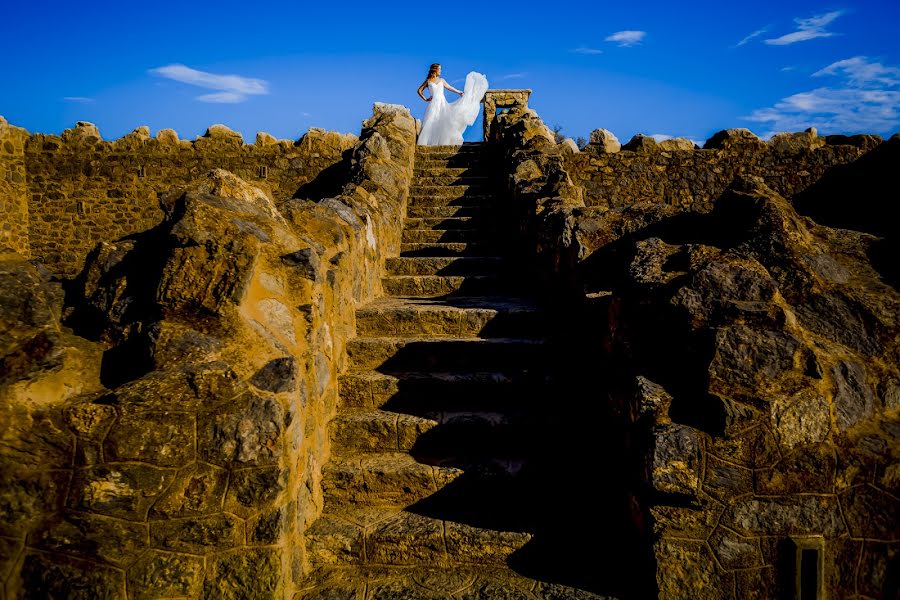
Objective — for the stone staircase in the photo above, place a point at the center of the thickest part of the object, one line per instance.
(424, 494)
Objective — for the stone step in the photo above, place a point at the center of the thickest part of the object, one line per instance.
(399, 480)
(424, 393)
(435, 437)
(451, 180)
(434, 582)
(406, 354)
(434, 212)
(456, 317)
(444, 223)
(445, 265)
(485, 200)
(390, 536)
(443, 171)
(447, 249)
(450, 191)
(431, 286)
(376, 431)
(442, 235)
(382, 478)
(464, 148)
(459, 161)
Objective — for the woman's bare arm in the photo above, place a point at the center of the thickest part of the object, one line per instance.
(451, 88)
(421, 95)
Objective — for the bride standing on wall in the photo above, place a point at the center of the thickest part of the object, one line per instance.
(444, 122)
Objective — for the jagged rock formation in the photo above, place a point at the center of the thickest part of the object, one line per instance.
(179, 453)
(752, 372)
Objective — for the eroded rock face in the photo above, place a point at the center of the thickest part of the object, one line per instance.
(179, 452)
(753, 360)
(788, 335)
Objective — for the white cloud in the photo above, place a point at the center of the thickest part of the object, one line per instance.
(860, 72)
(660, 137)
(231, 88)
(866, 100)
(586, 50)
(627, 38)
(807, 29)
(755, 34)
(512, 76)
(81, 99)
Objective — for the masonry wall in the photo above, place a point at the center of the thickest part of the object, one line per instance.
(744, 353)
(13, 190)
(692, 177)
(83, 190)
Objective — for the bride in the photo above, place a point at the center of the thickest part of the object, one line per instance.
(444, 122)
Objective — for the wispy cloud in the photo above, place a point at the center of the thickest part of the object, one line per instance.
(753, 35)
(788, 68)
(627, 38)
(512, 76)
(808, 29)
(231, 88)
(586, 50)
(860, 72)
(81, 99)
(866, 99)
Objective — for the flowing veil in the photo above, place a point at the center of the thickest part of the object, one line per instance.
(445, 122)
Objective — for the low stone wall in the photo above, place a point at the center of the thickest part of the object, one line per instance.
(747, 359)
(187, 461)
(13, 190)
(678, 174)
(82, 189)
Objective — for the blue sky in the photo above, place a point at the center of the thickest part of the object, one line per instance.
(658, 68)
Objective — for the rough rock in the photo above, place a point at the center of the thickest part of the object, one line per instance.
(641, 143)
(729, 138)
(605, 141)
(167, 136)
(676, 144)
(792, 143)
(222, 131)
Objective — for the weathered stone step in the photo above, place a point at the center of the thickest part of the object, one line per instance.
(445, 265)
(426, 392)
(457, 317)
(389, 536)
(464, 148)
(437, 437)
(382, 478)
(485, 200)
(408, 354)
(433, 582)
(430, 286)
(447, 249)
(443, 212)
(405, 354)
(376, 431)
(458, 161)
(444, 223)
(450, 180)
(449, 191)
(442, 235)
(443, 171)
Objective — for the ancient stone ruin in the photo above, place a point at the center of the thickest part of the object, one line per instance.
(351, 367)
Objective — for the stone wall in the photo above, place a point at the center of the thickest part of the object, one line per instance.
(678, 174)
(13, 190)
(747, 359)
(83, 190)
(182, 457)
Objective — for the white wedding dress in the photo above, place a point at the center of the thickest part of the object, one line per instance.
(444, 122)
